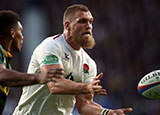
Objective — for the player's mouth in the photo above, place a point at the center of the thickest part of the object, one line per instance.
(86, 33)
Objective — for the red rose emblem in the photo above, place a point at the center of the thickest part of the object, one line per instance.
(85, 68)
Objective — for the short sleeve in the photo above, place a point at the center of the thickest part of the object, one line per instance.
(48, 53)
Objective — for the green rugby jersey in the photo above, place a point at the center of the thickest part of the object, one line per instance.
(4, 59)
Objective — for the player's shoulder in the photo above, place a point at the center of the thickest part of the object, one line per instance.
(53, 39)
(51, 42)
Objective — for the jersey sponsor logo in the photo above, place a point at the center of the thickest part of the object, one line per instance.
(85, 68)
(50, 59)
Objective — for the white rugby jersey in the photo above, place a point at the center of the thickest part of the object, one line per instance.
(78, 66)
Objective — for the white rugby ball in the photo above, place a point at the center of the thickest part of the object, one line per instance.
(149, 85)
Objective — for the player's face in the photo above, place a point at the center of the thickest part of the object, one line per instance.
(18, 38)
(81, 29)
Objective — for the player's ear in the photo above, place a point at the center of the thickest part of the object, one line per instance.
(12, 32)
(66, 25)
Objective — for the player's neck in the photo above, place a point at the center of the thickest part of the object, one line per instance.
(71, 42)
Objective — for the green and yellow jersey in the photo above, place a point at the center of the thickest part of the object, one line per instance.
(4, 90)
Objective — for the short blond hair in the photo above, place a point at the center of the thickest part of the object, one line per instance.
(70, 11)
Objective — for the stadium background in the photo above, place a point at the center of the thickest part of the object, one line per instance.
(127, 37)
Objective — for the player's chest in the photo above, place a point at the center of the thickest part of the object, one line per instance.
(76, 66)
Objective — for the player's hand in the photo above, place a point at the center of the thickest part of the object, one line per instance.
(120, 111)
(94, 86)
(50, 75)
(99, 91)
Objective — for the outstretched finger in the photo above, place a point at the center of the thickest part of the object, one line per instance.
(96, 87)
(99, 76)
(100, 92)
(95, 82)
(126, 110)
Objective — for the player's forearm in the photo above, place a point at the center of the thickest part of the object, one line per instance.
(90, 108)
(14, 79)
(64, 86)
(87, 106)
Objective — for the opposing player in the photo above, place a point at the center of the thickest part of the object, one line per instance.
(11, 40)
(65, 51)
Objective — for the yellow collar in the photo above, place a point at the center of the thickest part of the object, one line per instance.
(8, 54)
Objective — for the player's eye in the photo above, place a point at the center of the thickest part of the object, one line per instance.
(82, 21)
(91, 21)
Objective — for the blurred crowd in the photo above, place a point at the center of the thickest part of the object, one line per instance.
(127, 46)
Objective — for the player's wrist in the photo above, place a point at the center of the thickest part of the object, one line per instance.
(39, 78)
(105, 111)
(83, 88)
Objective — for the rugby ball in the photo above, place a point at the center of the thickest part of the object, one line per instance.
(149, 85)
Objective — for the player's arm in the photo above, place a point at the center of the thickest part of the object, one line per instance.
(65, 86)
(86, 106)
(13, 78)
